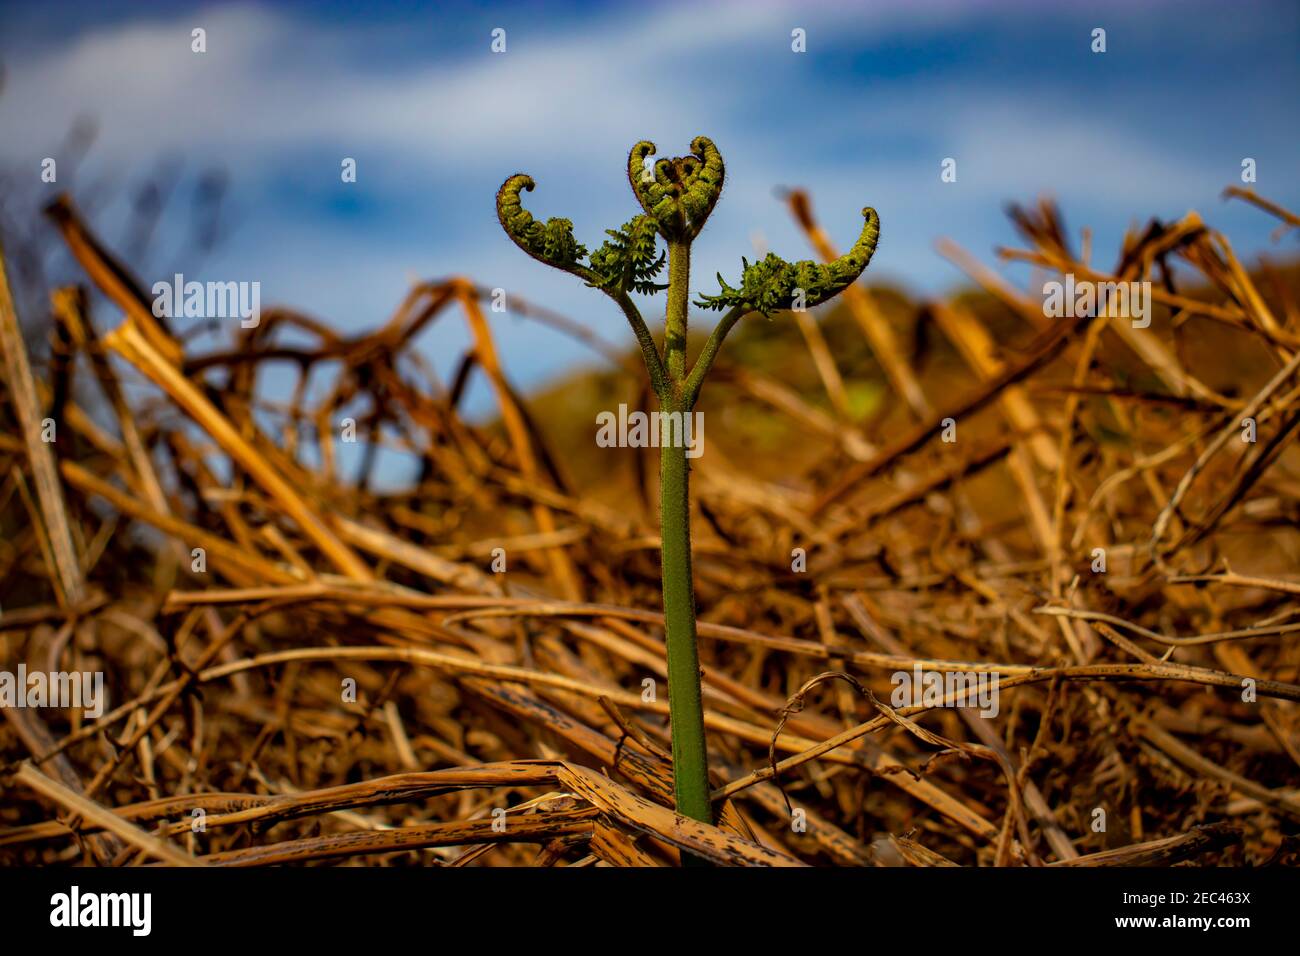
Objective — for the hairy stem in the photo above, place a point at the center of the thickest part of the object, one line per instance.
(649, 352)
(690, 760)
(679, 280)
(704, 361)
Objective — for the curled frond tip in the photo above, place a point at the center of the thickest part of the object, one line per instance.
(551, 242)
(772, 283)
(678, 194)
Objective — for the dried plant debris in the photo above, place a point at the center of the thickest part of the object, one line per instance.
(1008, 578)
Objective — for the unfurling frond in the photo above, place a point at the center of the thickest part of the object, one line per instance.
(628, 260)
(772, 283)
(677, 193)
(551, 243)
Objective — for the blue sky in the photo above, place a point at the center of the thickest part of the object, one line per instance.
(1155, 126)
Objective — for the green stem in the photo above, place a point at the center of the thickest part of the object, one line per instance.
(690, 756)
(704, 361)
(675, 323)
(690, 759)
(649, 352)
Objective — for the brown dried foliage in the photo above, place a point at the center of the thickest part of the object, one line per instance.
(500, 719)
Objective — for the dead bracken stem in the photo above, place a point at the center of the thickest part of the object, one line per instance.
(303, 666)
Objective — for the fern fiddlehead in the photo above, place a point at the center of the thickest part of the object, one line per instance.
(551, 242)
(677, 196)
(772, 283)
(677, 193)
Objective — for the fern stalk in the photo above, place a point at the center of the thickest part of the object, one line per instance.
(676, 197)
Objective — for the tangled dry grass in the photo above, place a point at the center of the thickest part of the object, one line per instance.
(506, 719)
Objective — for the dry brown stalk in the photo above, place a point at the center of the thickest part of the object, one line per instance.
(344, 678)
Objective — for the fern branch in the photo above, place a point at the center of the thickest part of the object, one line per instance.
(772, 283)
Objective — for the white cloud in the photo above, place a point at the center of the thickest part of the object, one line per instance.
(269, 81)
(277, 94)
